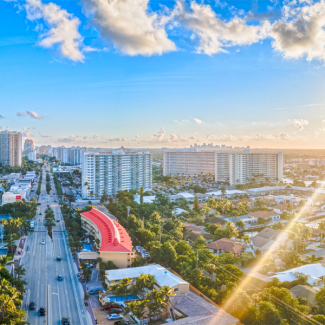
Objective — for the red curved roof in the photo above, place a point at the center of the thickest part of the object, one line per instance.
(114, 237)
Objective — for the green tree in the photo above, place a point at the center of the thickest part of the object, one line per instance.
(199, 243)
(321, 227)
(319, 318)
(141, 194)
(196, 206)
(268, 314)
(240, 224)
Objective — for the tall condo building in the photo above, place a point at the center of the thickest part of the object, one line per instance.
(241, 168)
(188, 162)
(114, 171)
(236, 168)
(10, 148)
(69, 155)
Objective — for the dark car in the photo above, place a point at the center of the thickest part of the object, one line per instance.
(42, 311)
(95, 291)
(122, 322)
(115, 311)
(58, 258)
(57, 220)
(110, 305)
(65, 321)
(32, 305)
(60, 278)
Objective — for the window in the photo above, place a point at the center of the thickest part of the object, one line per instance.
(176, 289)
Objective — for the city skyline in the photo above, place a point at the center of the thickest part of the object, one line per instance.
(211, 72)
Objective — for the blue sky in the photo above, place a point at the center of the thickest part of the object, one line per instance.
(163, 73)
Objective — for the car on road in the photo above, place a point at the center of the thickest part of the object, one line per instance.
(114, 316)
(42, 311)
(32, 305)
(60, 278)
(58, 258)
(43, 242)
(115, 311)
(95, 291)
(57, 220)
(65, 321)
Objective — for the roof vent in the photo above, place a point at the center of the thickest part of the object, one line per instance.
(115, 242)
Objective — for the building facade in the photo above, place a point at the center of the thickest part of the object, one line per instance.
(113, 241)
(10, 148)
(114, 171)
(69, 155)
(188, 162)
(241, 168)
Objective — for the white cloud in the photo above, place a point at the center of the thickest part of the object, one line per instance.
(160, 134)
(130, 26)
(257, 137)
(34, 115)
(21, 114)
(63, 28)
(27, 132)
(299, 124)
(320, 130)
(196, 120)
(215, 34)
(71, 138)
(45, 136)
(301, 31)
(180, 122)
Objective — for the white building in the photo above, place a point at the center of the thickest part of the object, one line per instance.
(69, 155)
(32, 156)
(188, 162)
(240, 168)
(10, 148)
(114, 171)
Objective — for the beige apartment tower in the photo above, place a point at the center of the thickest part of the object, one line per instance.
(10, 148)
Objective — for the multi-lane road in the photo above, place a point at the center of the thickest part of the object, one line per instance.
(60, 298)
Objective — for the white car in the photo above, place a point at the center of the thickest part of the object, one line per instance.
(115, 316)
(43, 242)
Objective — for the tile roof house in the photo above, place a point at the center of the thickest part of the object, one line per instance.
(200, 311)
(216, 220)
(245, 199)
(315, 272)
(226, 245)
(281, 207)
(304, 291)
(271, 215)
(270, 238)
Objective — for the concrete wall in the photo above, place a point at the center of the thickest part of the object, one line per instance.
(120, 259)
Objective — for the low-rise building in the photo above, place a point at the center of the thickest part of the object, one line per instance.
(306, 292)
(246, 219)
(315, 273)
(197, 310)
(250, 202)
(226, 245)
(9, 197)
(163, 277)
(266, 215)
(114, 241)
(270, 239)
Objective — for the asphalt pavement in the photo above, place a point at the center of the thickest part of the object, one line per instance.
(60, 298)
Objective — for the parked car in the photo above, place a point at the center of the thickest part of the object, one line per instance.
(60, 278)
(114, 316)
(32, 305)
(65, 321)
(110, 305)
(115, 311)
(42, 311)
(95, 291)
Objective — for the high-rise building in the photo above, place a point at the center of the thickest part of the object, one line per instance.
(69, 155)
(10, 148)
(28, 143)
(241, 168)
(32, 155)
(188, 162)
(115, 171)
(235, 168)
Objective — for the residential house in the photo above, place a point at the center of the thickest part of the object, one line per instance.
(247, 219)
(317, 234)
(282, 207)
(245, 200)
(315, 273)
(216, 220)
(266, 215)
(306, 292)
(226, 245)
(291, 199)
(270, 239)
(197, 310)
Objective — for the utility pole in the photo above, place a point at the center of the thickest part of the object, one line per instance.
(128, 208)
(160, 232)
(197, 257)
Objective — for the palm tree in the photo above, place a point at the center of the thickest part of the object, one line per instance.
(321, 227)
(145, 281)
(246, 239)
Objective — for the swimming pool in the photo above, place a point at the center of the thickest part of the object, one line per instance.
(87, 248)
(121, 298)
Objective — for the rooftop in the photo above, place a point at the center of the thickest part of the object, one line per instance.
(200, 311)
(162, 275)
(114, 237)
(228, 245)
(262, 214)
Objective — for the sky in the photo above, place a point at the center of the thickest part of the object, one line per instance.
(163, 73)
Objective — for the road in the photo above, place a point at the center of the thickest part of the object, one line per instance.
(60, 298)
